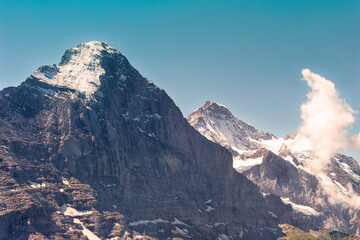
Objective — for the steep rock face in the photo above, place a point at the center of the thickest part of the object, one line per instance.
(329, 198)
(92, 146)
(282, 166)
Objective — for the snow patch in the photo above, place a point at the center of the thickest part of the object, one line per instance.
(209, 209)
(223, 237)
(65, 181)
(291, 160)
(156, 116)
(141, 222)
(123, 77)
(351, 174)
(36, 185)
(136, 234)
(243, 165)
(72, 212)
(89, 234)
(326, 181)
(241, 234)
(343, 189)
(126, 115)
(299, 144)
(306, 210)
(182, 232)
(178, 222)
(218, 224)
(159, 220)
(152, 135)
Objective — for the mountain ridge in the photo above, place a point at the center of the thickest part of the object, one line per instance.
(118, 160)
(283, 167)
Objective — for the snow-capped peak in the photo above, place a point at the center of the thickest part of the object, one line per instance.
(80, 67)
(86, 53)
(285, 167)
(211, 108)
(216, 108)
(216, 122)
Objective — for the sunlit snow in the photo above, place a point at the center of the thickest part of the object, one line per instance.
(243, 165)
(89, 234)
(72, 212)
(82, 69)
(36, 185)
(301, 208)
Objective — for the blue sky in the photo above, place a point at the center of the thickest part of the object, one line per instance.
(247, 55)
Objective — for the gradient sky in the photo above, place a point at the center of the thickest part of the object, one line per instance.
(247, 55)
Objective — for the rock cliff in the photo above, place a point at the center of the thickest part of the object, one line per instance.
(91, 149)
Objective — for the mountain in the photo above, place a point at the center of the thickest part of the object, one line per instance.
(283, 167)
(91, 149)
(218, 124)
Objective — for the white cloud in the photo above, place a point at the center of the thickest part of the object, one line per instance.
(325, 119)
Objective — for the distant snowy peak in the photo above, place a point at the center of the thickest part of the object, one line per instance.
(80, 68)
(286, 167)
(210, 109)
(218, 124)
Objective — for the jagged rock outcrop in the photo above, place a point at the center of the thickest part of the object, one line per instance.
(90, 148)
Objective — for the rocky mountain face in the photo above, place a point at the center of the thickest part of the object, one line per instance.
(91, 149)
(283, 167)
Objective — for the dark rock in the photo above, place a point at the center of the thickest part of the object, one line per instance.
(123, 156)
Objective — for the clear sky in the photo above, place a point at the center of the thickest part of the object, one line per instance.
(245, 54)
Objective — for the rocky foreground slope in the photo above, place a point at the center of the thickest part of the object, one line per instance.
(91, 149)
(283, 166)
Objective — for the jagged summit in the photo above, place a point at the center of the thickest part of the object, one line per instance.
(207, 104)
(212, 108)
(215, 105)
(217, 108)
(81, 68)
(86, 52)
(216, 122)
